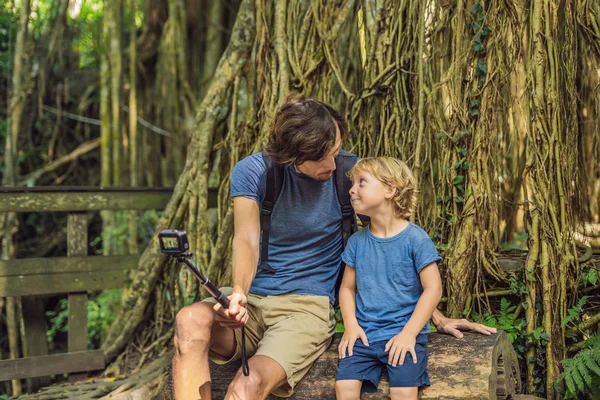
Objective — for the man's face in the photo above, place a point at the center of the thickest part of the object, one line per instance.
(323, 169)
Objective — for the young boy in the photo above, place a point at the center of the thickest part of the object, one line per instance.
(390, 288)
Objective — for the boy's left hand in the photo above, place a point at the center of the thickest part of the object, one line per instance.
(399, 346)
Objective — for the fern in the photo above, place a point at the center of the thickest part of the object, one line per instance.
(574, 312)
(580, 370)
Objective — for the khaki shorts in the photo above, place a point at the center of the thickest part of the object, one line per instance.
(292, 329)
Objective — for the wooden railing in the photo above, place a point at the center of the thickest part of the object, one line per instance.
(77, 274)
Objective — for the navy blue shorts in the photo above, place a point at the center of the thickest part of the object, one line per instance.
(366, 364)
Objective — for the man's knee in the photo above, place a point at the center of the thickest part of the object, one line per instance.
(192, 327)
(246, 387)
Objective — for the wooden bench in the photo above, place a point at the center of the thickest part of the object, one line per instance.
(77, 274)
(475, 367)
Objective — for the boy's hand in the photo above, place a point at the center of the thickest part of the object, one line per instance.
(236, 315)
(351, 335)
(399, 346)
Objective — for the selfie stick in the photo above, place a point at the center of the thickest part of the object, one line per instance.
(208, 285)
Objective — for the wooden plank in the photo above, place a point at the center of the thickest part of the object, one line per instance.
(43, 284)
(77, 245)
(88, 201)
(34, 341)
(30, 367)
(64, 265)
(29, 200)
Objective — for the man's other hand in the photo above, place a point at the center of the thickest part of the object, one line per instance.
(451, 326)
(236, 315)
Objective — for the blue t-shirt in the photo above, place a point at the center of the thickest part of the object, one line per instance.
(305, 242)
(388, 286)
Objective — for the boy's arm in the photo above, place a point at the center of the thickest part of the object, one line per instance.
(432, 293)
(348, 296)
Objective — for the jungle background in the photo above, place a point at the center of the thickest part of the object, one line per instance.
(495, 105)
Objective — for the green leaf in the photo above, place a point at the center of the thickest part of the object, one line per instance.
(476, 9)
(570, 383)
(482, 66)
(458, 180)
(474, 112)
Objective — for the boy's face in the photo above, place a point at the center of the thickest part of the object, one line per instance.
(368, 195)
(322, 170)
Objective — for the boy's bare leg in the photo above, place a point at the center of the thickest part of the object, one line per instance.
(195, 325)
(404, 393)
(265, 375)
(347, 389)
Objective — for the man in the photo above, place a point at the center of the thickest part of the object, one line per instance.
(285, 304)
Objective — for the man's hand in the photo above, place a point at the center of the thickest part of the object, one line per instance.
(454, 327)
(236, 315)
(351, 335)
(399, 346)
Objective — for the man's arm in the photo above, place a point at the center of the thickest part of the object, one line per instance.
(246, 241)
(451, 326)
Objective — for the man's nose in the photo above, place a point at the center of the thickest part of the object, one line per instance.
(331, 163)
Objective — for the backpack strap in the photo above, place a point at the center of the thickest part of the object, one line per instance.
(273, 189)
(344, 164)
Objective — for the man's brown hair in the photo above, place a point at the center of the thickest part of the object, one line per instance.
(303, 130)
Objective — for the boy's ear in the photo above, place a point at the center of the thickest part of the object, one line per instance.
(391, 192)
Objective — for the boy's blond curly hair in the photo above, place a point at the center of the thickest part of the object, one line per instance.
(393, 173)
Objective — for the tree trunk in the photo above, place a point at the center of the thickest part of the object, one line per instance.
(9, 221)
(550, 169)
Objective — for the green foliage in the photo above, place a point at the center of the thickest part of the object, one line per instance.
(88, 24)
(519, 241)
(119, 233)
(516, 285)
(102, 311)
(574, 312)
(506, 320)
(582, 372)
(8, 31)
(590, 277)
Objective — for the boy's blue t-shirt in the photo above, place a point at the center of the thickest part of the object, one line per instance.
(305, 242)
(388, 286)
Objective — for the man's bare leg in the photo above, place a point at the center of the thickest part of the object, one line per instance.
(265, 374)
(195, 325)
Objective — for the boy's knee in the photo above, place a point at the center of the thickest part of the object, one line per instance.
(404, 393)
(346, 390)
(246, 387)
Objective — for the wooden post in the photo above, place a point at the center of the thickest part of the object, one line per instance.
(34, 336)
(77, 244)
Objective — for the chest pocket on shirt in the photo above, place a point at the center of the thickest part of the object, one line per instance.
(404, 273)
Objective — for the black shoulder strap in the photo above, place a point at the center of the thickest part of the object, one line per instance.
(343, 184)
(273, 189)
